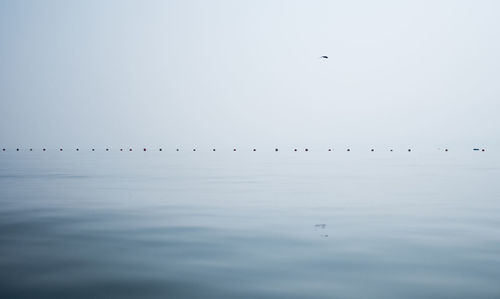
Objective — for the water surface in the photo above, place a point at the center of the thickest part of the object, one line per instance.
(243, 224)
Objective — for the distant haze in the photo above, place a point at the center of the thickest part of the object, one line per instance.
(249, 73)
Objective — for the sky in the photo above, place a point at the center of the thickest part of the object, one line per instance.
(248, 73)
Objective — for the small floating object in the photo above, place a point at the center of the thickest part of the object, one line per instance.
(234, 149)
(129, 149)
(295, 150)
(348, 149)
(213, 150)
(392, 150)
(160, 149)
(483, 150)
(329, 149)
(121, 150)
(108, 149)
(409, 149)
(194, 150)
(476, 149)
(323, 57)
(372, 150)
(77, 149)
(3, 150)
(60, 149)
(446, 150)
(17, 149)
(275, 149)
(254, 150)
(93, 150)
(177, 150)
(31, 149)
(43, 149)
(144, 149)
(306, 149)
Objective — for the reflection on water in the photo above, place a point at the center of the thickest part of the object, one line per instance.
(249, 225)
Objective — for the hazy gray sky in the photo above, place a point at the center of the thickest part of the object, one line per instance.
(224, 73)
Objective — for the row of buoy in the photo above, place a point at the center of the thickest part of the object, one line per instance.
(194, 149)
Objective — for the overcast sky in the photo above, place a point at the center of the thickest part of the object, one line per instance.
(248, 73)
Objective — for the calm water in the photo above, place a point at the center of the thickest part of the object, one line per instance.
(424, 224)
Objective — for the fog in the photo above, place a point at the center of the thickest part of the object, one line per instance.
(248, 73)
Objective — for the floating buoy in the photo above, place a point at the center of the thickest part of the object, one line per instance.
(107, 149)
(409, 149)
(372, 150)
(121, 150)
(194, 150)
(392, 150)
(77, 149)
(275, 149)
(295, 150)
(60, 149)
(144, 149)
(329, 149)
(93, 150)
(234, 149)
(482, 150)
(348, 149)
(177, 150)
(43, 150)
(17, 149)
(31, 149)
(129, 149)
(213, 150)
(3, 150)
(254, 150)
(306, 149)
(446, 150)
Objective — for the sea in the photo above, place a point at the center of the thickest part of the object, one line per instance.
(339, 224)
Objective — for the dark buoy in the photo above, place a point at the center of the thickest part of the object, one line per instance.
(254, 150)
(77, 149)
(43, 149)
(234, 149)
(306, 149)
(329, 149)
(392, 150)
(194, 150)
(3, 150)
(348, 149)
(409, 149)
(17, 149)
(446, 150)
(295, 150)
(213, 150)
(177, 150)
(107, 149)
(372, 150)
(275, 149)
(93, 150)
(129, 149)
(121, 150)
(160, 149)
(483, 150)
(144, 149)
(31, 149)
(60, 149)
